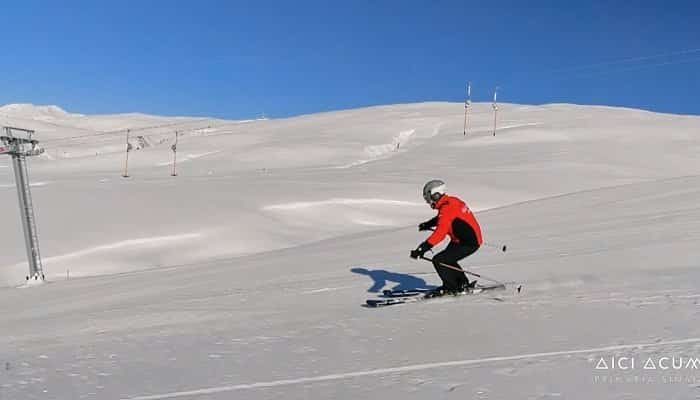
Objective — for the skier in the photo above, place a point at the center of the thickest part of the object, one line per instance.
(456, 220)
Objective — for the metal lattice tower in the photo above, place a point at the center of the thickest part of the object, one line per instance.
(20, 148)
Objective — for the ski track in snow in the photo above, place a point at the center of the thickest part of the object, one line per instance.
(33, 184)
(410, 368)
(344, 202)
(189, 157)
(382, 151)
(514, 126)
(328, 289)
(151, 241)
(629, 298)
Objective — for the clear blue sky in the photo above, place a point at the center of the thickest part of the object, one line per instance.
(238, 59)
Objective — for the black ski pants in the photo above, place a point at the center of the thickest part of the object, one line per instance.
(451, 279)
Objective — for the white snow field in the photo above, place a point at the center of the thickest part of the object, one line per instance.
(244, 276)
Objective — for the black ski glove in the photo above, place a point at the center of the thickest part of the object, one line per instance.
(421, 250)
(427, 225)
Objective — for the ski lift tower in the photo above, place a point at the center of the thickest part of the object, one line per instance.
(19, 144)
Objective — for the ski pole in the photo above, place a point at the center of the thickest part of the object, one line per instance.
(452, 267)
(502, 247)
(498, 246)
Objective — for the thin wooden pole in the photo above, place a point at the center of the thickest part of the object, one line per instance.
(175, 154)
(128, 149)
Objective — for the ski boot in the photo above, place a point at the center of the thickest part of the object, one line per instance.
(437, 292)
(464, 288)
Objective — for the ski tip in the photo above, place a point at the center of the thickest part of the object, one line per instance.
(491, 287)
(372, 303)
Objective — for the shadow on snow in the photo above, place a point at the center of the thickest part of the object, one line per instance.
(381, 277)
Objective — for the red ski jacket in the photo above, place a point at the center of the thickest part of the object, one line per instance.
(450, 210)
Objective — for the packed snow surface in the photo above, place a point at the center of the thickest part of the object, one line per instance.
(244, 276)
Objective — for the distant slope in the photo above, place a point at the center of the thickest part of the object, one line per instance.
(240, 184)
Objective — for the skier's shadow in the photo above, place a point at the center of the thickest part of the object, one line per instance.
(381, 277)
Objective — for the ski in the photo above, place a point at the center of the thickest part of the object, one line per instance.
(415, 296)
(375, 303)
(404, 293)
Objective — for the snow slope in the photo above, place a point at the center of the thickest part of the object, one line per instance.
(243, 277)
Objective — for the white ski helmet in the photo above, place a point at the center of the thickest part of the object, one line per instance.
(433, 190)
